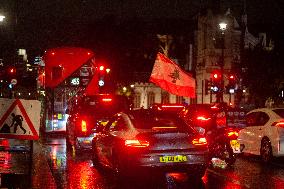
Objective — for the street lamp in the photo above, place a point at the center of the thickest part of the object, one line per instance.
(1, 63)
(222, 27)
(2, 18)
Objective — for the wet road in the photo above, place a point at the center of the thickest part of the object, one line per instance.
(77, 171)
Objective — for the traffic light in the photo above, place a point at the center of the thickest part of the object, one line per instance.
(12, 70)
(207, 86)
(101, 77)
(102, 68)
(11, 73)
(216, 81)
(231, 83)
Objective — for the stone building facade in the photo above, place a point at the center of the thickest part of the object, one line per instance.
(209, 47)
(206, 52)
(146, 94)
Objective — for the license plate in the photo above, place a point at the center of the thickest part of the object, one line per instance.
(177, 158)
(87, 142)
(235, 146)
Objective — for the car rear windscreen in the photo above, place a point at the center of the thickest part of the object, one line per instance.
(148, 120)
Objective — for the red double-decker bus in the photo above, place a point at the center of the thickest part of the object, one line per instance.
(68, 72)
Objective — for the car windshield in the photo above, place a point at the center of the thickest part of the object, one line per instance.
(279, 112)
(158, 121)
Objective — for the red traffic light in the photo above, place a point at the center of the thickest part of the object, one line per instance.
(215, 76)
(101, 68)
(231, 77)
(12, 70)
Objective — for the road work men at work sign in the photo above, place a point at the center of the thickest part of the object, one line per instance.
(19, 119)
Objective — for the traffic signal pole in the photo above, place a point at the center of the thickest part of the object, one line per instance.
(221, 91)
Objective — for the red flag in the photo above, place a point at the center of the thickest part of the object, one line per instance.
(170, 77)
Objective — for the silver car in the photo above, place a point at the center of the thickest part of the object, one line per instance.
(140, 140)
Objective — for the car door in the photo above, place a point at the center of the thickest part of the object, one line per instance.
(109, 140)
(260, 130)
(247, 135)
(102, 144)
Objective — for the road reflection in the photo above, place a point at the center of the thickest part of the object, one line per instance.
(83, 175)
(75, 170)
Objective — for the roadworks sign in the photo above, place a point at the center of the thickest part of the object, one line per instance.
(19, 119)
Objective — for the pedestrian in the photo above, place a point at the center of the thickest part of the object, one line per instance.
(17, 121)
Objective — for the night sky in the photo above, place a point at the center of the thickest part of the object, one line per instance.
(112, 25)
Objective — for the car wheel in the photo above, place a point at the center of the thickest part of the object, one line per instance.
(266, 151)
(230, 157)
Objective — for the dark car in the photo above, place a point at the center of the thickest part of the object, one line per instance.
(143, 140)
(216, 121)
(200, 116)
(86, 113)
(206, 117)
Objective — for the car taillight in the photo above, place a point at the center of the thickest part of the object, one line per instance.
(233, 134)
(203, 118)
(278, 124)
(199, 141)
(106, 99)
(136, 143)
(83, 126)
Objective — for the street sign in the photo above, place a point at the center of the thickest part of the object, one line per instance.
(14, 81)
(19, 119)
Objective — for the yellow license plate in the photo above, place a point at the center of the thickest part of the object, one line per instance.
(235, 146)
(87, 141)
(177, 158)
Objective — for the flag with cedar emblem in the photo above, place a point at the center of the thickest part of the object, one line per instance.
(170, 77)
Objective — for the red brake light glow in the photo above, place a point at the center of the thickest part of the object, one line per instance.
(137, 143)
(106, 99)
(172, 106)
(199, 141)
(278, 124)
(84, 126)
(202, 118)
(162, 128)
(214, 107)
(233, 133)
(102, 68)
